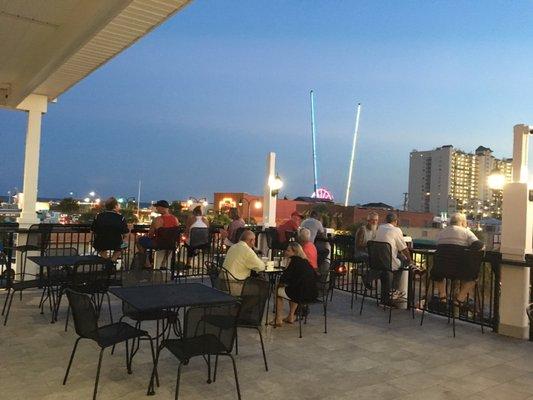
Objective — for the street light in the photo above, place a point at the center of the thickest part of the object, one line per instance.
(275, 184)
(496, 179)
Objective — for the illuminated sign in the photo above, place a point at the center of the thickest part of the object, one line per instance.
(322, 193)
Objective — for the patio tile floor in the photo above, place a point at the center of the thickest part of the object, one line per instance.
(362, 357)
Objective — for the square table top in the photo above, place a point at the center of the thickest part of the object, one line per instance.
(170, 295)
(62, 261)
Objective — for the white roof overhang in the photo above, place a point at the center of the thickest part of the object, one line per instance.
(48, 46)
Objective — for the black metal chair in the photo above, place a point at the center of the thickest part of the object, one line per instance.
(253, 299)
(208, 331)
(454, 263)
(167, 239)
(212, 269)
(18, 282)
(228, 283)
(85, 318)
(379, 264)
(323, 286)
(276, 247)
(198, 240)
(91, 278)
(37, 239)
(146, 277)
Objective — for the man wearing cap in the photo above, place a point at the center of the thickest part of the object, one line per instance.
(165, 220)
(290, 225)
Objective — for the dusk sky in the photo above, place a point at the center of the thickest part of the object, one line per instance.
(194, 107)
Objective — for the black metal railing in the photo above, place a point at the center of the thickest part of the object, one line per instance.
(349, 270)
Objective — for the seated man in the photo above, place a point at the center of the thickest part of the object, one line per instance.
(291, 225)
(164, 220)
(458, 234)
(365, 233)
(390, 233)
(313, 224)
(308, 247)
(110, 229)
(323, 249)
(240, 261)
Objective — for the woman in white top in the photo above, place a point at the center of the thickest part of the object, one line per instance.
(458, 234)
(196, 220)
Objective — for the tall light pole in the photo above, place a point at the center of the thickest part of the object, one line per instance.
(257, 205)
(352, 158)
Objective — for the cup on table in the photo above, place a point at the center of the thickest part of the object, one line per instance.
(269, 265)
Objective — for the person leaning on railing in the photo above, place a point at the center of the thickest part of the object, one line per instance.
(110, 229)
(457, 234)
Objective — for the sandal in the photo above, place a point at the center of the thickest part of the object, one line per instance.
(275, 324)
(288, 321)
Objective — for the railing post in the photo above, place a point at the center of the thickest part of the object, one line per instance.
(514, 298)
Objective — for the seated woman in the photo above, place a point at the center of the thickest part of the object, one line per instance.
(298, 283)
(457, 234)
(196, 220)
(110, 229)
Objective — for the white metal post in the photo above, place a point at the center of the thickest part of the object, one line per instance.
(517, 240)
(269, 201)
(36, 106)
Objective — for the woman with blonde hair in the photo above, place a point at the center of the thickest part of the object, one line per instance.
(298, 284)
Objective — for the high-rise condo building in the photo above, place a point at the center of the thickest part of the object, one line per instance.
(448, 180)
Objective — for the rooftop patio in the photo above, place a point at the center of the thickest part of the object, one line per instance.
(361, 357)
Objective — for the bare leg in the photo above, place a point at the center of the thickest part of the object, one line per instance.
(467, 288)
(279, 310)
(441, 288)
(292, 317)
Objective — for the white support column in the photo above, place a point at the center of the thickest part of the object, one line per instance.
(517, 240)
(36, 106)
(269, 201)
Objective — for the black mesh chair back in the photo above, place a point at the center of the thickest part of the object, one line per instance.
(253, 297)
(198, 237)
(84, 314)
(38, 236)
(218, 321)
(213, 270)
(90, 276)
(223, 280)
(273, 239)
(237, 235)
(168, 238)
(344, 247)
(379, 255)
(456, 262)
(61, 251)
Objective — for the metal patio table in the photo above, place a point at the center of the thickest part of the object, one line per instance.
(171, 296)
(51, 263)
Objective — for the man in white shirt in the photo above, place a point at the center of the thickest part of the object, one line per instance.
(313, 224)
(390, 233)
(457, 234)
(240, 261)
